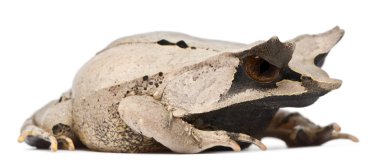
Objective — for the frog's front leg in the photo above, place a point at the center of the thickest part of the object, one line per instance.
(150, 118)
(50, 126)
(297, 130)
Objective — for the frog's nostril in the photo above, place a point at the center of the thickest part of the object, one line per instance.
(260, 70)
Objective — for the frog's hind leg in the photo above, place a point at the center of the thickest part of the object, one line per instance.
(148, 117)
(36, 136)
(297, 130)
(50, 126)
(40, 138)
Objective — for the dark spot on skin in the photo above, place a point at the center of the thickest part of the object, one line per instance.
(193, 48)
(159, 82)
(126, 93)
(150, 83)
(182, 44)
(156, 84)
(164, 42)
(145, 88)
(160, 74)
(145, 78)
(98, 100)
(60, 100)
(114, 94)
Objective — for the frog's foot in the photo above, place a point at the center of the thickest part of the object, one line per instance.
(316, 135)
(297, 131)
(149, 117)
(33, 136)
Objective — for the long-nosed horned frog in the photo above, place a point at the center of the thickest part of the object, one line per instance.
(166, 91)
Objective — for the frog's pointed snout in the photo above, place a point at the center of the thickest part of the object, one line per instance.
(309, 57)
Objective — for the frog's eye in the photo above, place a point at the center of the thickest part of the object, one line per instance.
(260, 70)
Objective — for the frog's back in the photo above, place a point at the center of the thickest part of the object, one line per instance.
(135, 56)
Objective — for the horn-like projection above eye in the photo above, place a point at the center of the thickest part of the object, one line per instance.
(274, 51)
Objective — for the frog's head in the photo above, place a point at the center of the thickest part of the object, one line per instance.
(268, 73)
(287, 74)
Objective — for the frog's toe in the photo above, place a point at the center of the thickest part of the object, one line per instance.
(247, 139)
(332, 131)
(29, 137)
(23, 136)
(34, 135)
(344, 136)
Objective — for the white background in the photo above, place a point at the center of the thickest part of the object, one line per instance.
(44, 43)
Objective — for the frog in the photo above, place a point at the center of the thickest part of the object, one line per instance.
(172, 92)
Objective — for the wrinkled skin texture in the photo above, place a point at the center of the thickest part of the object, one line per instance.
(166, 91)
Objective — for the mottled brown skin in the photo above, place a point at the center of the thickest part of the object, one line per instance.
(159, 92)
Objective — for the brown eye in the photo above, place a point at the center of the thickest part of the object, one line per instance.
(260, 70)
